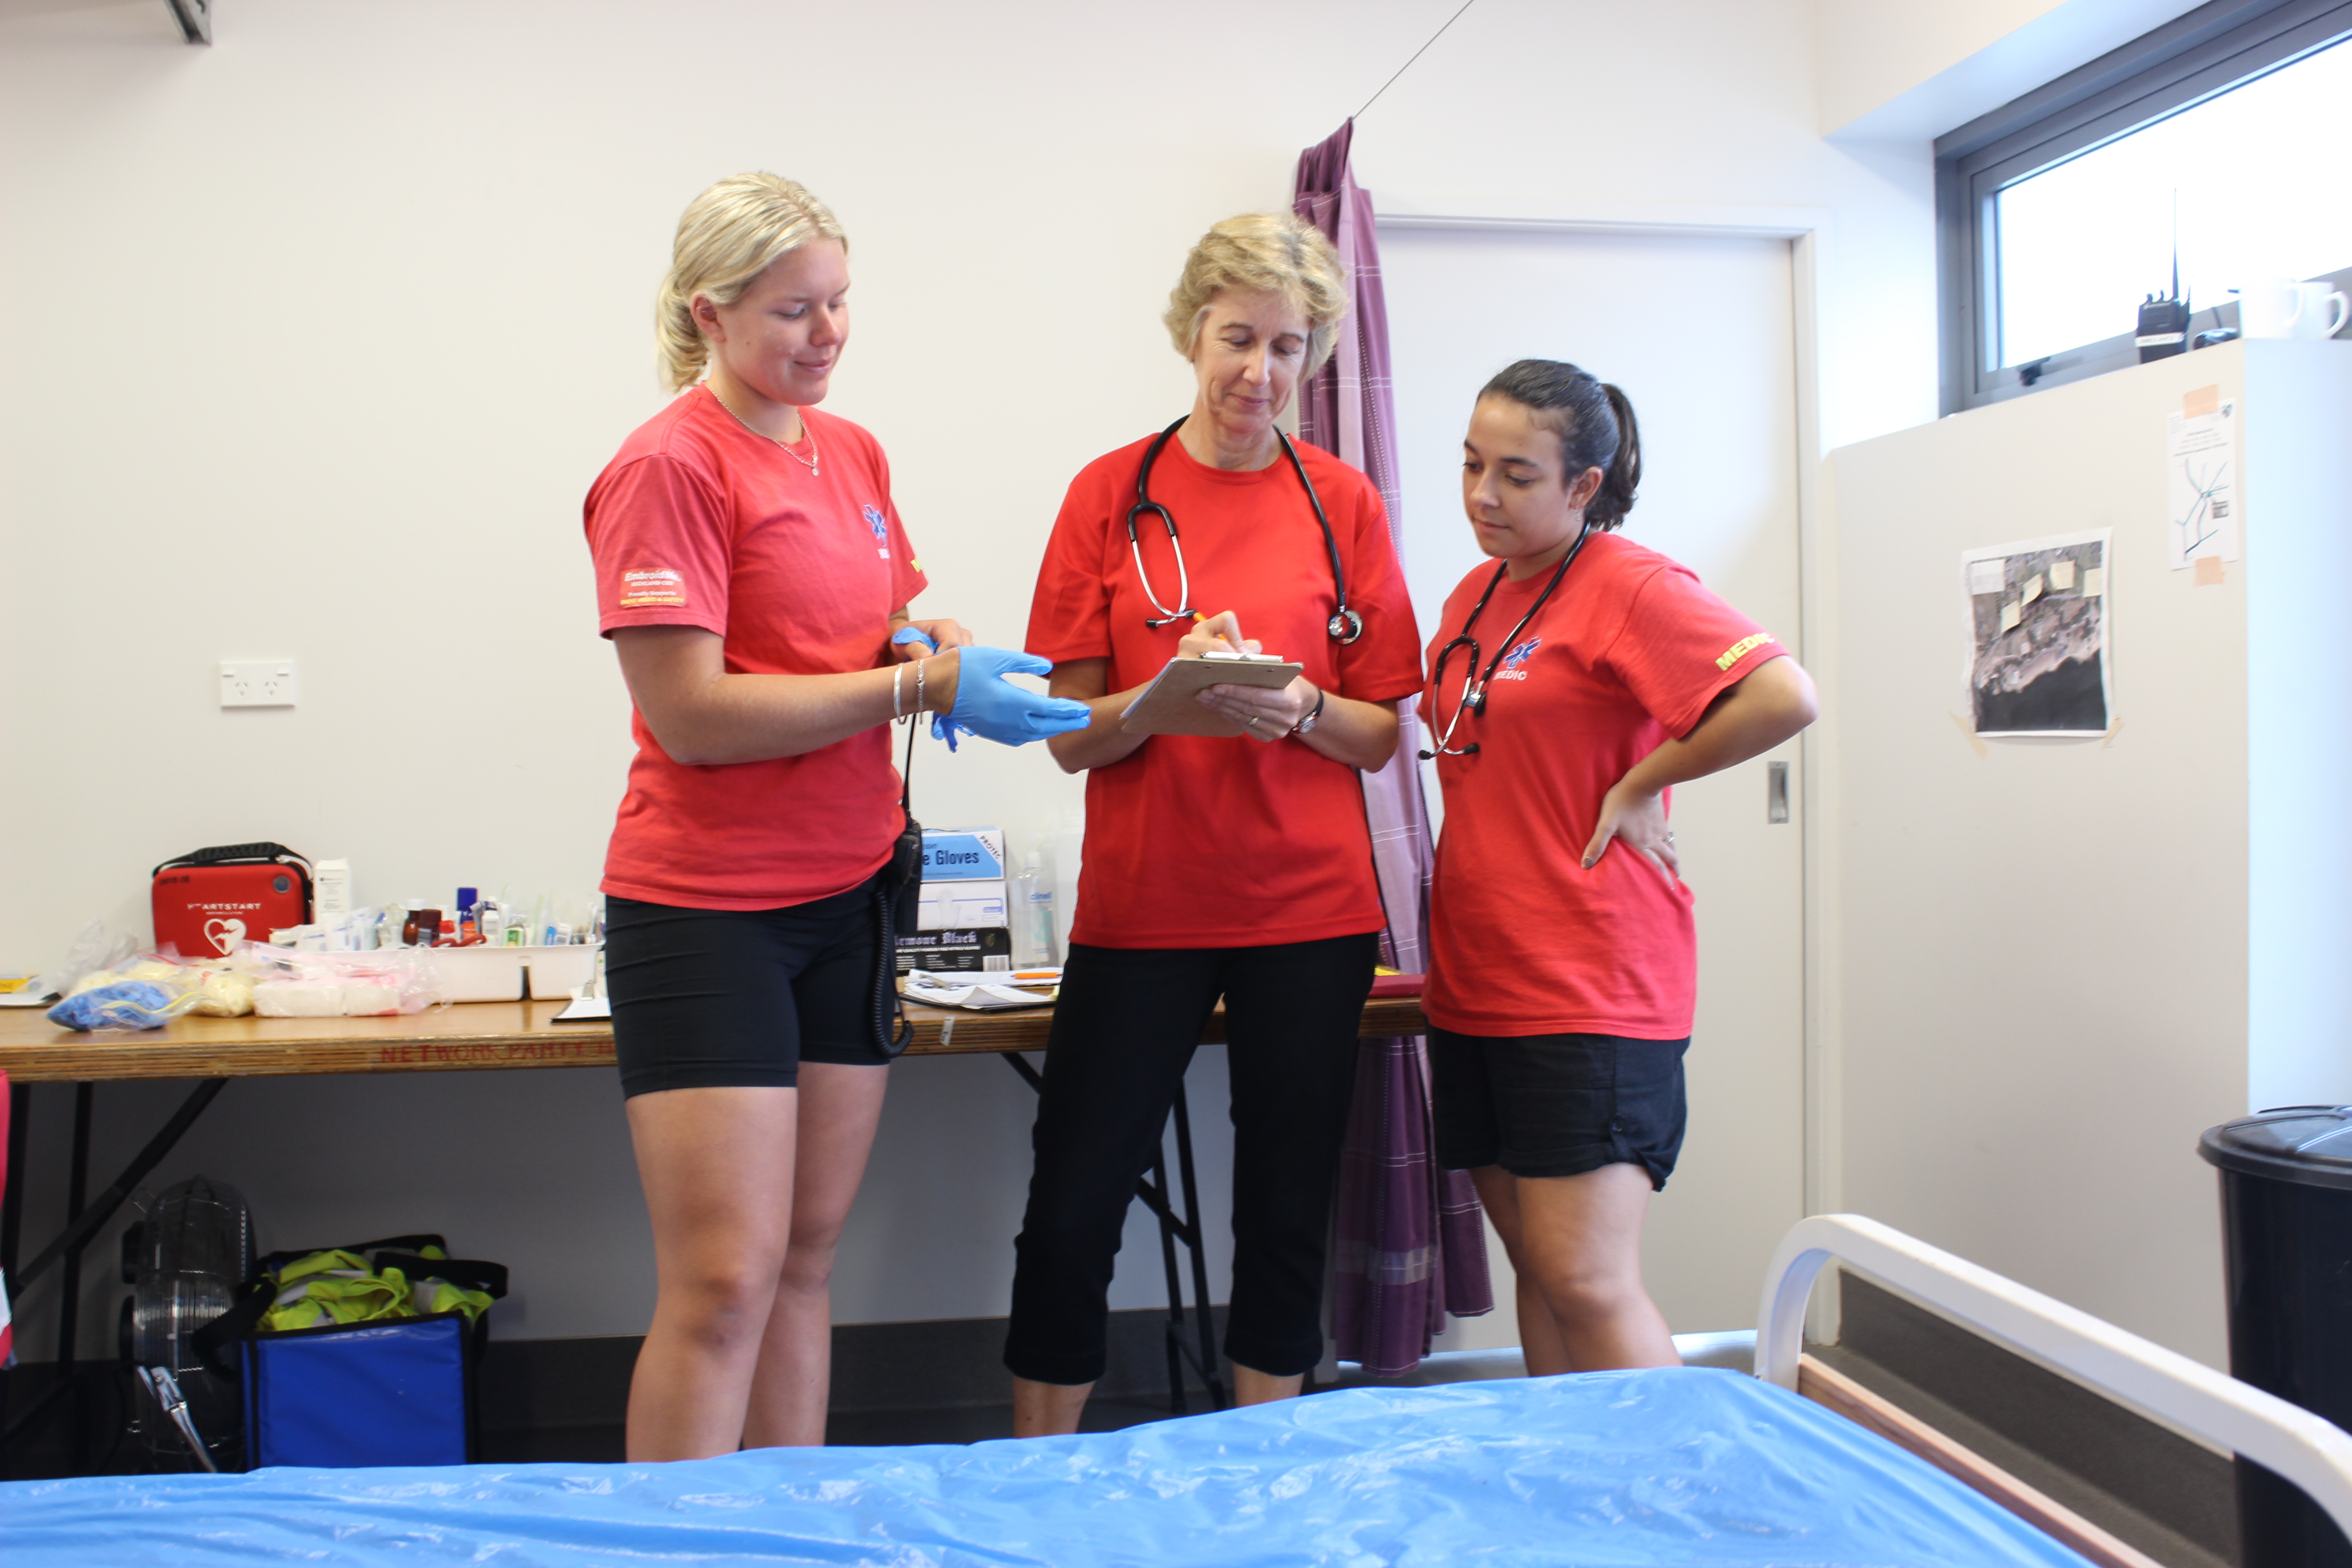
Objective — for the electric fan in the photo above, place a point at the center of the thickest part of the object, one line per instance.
(184, 1258)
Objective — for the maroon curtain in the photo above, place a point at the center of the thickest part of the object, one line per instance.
(1411, 1240)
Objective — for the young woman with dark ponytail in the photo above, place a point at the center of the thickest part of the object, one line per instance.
(1573, 684)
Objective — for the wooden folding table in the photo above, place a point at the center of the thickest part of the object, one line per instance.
(471, 1037)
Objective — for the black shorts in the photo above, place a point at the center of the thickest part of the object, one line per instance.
(1557, 1105)
(740, 998)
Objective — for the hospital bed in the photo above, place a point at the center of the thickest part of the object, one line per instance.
(1686, 1467)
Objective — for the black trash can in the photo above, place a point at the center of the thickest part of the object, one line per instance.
(2287, 1226)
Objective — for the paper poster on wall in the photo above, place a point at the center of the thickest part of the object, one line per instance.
(2038, 660)
(2200, 454)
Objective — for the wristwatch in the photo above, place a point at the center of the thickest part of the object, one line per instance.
(1313, 715)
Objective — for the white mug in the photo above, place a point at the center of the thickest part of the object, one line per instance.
(2285, 308)
(2270, 308)
(2323, 310)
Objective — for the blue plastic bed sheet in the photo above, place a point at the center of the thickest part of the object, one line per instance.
(1683, 1467)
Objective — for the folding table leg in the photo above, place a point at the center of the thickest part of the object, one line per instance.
(12, 1206)
(1172, 1332)
(12, 1217)
(77, 1197)
(70, 1285)
(1196, 1238)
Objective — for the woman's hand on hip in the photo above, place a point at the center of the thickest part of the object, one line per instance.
(1763, 707)
(1638, 817)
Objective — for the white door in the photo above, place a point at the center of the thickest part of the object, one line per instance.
(1700, 334)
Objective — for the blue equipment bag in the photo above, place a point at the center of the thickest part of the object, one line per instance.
(366, 1393)
(387, 1391)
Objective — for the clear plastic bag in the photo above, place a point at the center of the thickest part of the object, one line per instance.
(226, 993)
(291, 985)
(147, 995)
(94, 950)
(273, 982)
(221, 991)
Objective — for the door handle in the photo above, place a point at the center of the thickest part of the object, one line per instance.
(1776, 793)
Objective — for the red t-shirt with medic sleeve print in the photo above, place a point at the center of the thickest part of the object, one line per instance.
(1209, 841)
(700, 522)
(1523, 940)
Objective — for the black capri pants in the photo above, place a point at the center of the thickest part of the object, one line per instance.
(1124, 1031)
(740, 998)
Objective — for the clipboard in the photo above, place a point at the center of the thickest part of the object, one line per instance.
(1170, 705)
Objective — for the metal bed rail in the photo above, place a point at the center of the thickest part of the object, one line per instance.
(2290, 1442)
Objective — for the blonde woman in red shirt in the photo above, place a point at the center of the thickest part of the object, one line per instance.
(754, 578)
(1573, 684)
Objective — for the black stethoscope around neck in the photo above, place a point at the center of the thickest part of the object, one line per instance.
(1474, 679)
(1344, 624)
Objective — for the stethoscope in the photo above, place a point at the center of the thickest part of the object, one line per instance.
(1344, 624)
(1473, 684)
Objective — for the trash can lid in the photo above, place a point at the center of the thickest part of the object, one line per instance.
(2310, 1144)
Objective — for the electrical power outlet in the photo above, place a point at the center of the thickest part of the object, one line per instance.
(257, 683)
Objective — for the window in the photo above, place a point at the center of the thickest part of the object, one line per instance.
(2058, 212)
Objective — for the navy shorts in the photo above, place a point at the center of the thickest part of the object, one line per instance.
(1557, 1105)
(740, 998)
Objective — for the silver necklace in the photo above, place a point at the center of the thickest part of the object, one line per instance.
(808, 462)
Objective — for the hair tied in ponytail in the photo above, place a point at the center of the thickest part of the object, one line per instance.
(1621, 475)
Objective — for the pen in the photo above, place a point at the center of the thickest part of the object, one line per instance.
(1232, 633)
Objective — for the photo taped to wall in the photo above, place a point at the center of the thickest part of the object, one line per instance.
(2038, 661)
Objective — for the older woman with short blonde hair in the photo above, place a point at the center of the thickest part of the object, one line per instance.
(1232, 864)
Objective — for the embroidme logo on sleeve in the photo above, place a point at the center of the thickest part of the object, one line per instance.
(1742, 648)
(658, 586)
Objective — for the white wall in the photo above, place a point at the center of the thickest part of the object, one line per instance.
(315, 338)
(2059, 961)
(1915, 68)
(2299, 749)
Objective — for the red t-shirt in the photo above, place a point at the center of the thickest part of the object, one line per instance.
(1523, 940)
(1196, 841)
(699, 523)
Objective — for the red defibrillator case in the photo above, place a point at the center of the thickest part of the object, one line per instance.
(207, 902)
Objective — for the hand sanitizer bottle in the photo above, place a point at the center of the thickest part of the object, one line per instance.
(1033, 913)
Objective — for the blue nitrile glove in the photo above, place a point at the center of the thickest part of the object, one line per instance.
(989, 705)
(914, 634)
